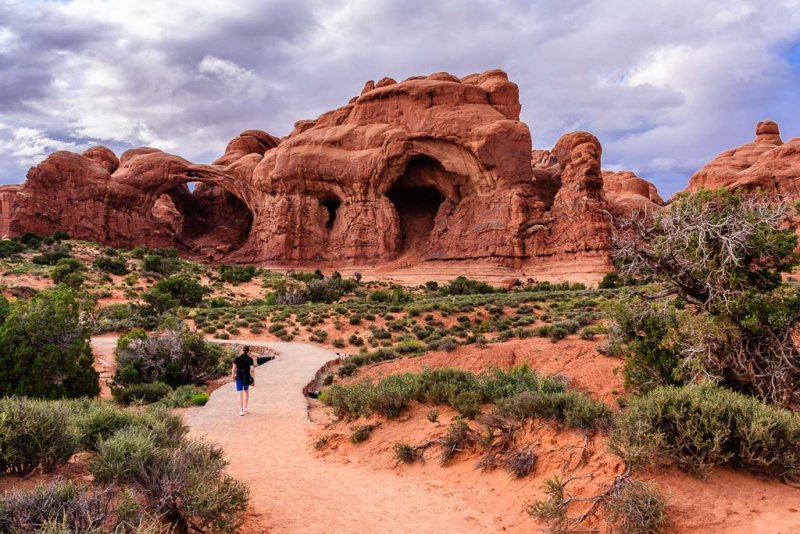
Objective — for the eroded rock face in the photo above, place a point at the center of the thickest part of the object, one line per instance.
(430, 168)
(766, 163)
(627, 193)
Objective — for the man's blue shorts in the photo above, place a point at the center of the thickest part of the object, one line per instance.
(241, 385)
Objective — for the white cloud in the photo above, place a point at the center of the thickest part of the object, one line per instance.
(8, 40)
(664, 85)
(28, 146)
(223, 68)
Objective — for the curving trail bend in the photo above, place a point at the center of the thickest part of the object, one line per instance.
(270, 450)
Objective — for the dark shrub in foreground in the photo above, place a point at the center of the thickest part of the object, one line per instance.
(700, 426)
(60, 506)
(148, 476)
(35, 435)
(44, 347)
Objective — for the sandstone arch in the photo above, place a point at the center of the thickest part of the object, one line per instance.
(416, 196)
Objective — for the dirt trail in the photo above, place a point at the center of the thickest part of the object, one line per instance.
(270, 450)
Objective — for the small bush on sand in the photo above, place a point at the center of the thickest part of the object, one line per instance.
(403, 453)
(636, 507)
(361, 433)
(458, 438)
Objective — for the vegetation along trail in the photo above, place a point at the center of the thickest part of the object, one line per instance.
(269, 449)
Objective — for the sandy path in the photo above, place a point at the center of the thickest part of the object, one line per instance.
(270, 450)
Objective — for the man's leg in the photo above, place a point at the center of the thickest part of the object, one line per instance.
(241, 402)
(246, 399)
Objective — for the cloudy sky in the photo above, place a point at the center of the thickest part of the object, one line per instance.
(665, 84)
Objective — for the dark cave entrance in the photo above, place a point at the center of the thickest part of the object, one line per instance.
(205, 218)
(417, 201)
(332, 205)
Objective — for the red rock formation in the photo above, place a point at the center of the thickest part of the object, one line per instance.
(430, 168)
(766, 163)
(627, 193)
(8, 194)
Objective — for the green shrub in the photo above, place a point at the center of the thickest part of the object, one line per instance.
(53, 256)
(141, 393)
(404, 453)
(97, 420)
(159, 263)
(187, 291)
(114, 265)
(468, 403)
(589, 332)
(68, 271)
(379, 295)
(236, 274)
(125, 456)
(200, 398)
(611, 281)
(34, 435)
(642, 331)
(699, 426)
(390, 397)
(361, 433)
(465, 286)
(183, 481)
(575, 409)
(44, 347)
(10, 248)
(188, 486)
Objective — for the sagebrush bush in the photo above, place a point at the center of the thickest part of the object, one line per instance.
(458, 437)
(636, 507)
(361, 433)
(61, 507)
(175, 355)
(125, 456)
(35, 434)
(576, 409)
(520, 392)
(699, 426)
(468, 403)
(404, 453)
(189, 488)
(97, 420)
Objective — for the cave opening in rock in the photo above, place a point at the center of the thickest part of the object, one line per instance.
(332, 205)
(206, 219)
(417, 197)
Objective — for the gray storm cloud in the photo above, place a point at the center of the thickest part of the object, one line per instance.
(664, 85)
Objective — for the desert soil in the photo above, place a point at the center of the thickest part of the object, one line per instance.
(294, 491)
(350, 488)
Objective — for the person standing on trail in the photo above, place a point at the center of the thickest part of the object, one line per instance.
(244, 374)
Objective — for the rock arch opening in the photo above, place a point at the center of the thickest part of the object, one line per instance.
(205, 219)
(332, 205)
(417, 196)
